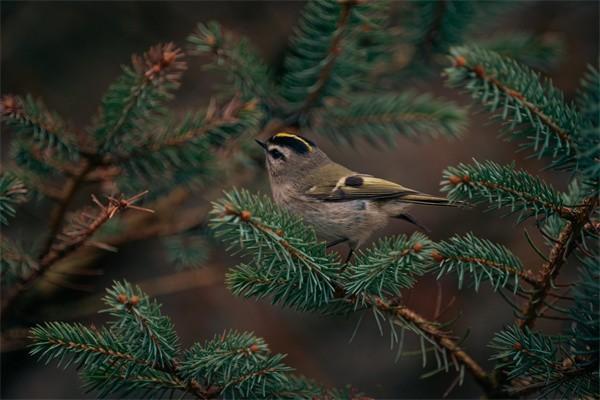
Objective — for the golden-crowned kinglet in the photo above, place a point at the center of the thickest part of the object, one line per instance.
(342, 205)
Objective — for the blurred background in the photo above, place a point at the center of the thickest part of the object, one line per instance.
(69, 52)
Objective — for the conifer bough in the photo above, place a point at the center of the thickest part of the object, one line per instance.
(326, 85)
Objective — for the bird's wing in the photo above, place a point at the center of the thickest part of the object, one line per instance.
(356, 187)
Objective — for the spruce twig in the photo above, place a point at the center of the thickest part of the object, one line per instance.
(565, 243)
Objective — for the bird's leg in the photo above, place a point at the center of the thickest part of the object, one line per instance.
(336, 241)
(409, 218)
(349, 256)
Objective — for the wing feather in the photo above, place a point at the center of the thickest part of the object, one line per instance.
(358, 186)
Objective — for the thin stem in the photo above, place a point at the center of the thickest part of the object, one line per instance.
(567, 240)
(58, 215)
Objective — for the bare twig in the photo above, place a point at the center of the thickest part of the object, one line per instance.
(73, 237)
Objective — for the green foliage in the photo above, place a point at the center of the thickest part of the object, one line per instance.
(502, 186)
(33, 123)
(585, 312)
(332, 50)
(138, 96)
(141, 360)
(576, 193)
(436, 25)
(244, 68)
(185, 145)
(147, 383)
(79, 345)
(588, 100)
(381, 117)
(522, 352)
(536, 358)
(186, 250)
(535, 111)
(12, 192)
(390, 265)
(479, 258)
(139, 323)
(288, 262)
(539, 52)
(241, 364)
(14, 263)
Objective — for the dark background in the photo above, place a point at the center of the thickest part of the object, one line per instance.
(68, 53)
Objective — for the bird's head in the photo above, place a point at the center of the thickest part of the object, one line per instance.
(289, 155)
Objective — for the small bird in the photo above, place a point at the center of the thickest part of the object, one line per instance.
(342, 205)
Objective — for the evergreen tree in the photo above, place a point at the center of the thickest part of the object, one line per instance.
(333, 82)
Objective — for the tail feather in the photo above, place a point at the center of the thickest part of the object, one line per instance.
(422, 198)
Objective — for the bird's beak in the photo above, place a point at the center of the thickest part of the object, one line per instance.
(261, 144)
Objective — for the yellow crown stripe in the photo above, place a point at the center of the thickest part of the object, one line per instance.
(291, 135)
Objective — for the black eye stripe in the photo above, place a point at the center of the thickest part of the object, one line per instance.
(298, 144)
(276, 154)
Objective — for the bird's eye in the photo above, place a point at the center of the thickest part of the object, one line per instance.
(276, 154)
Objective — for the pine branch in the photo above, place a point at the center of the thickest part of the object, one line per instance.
(390, 265)
(32, 122)
(238, 363)
(437, 25)
(381, 117)
(542, 52)
(480, 258)
(503, 186)
(75, 235)
(283, 249)
(532, 361)
(566, 241)
(12, 192)
(107, 362)
(441, 338)
(325, 57)
(139, 353)
(244, 68)
(255, 225)
(137, 96)
(522, 352)
(140, 325)
(585, 331)
(185, 145)
(535, 110)
(588, 101)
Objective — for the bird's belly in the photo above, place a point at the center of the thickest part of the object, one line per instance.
(354, 220)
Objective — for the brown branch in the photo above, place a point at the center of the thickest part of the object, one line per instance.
(75, 236)
(566, 242)
(58, 214)
(441, 338)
